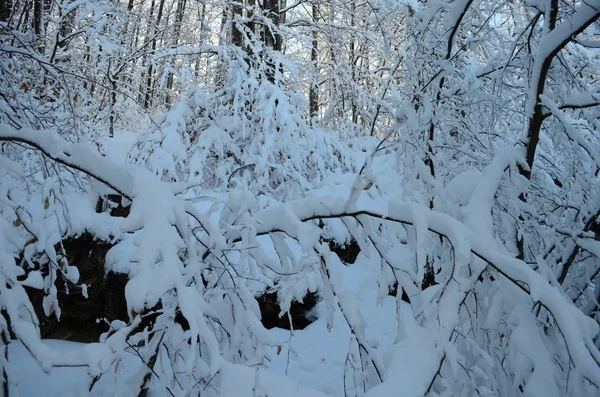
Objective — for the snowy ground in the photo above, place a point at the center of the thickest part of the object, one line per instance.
(317, 356)
(63, 382)
(118, 147)
(314, 357)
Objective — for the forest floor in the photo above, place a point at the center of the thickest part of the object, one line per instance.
(314, 356)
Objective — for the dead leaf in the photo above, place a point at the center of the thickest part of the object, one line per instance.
(46, 203)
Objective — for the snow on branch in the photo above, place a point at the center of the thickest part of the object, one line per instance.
(163, 223)
(577, 329)
(75, 155)
(557, 39)
(582, 100)
(572, 132)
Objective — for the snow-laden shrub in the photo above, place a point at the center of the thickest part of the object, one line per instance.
(248, 135)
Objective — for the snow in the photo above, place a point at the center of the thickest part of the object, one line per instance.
(409, 364)
(65, 381)
(352, 331)
(571, 132)
(234, 193)
(77, 154)
(318, 356)
(318, 360)
(556, 39)
(252, 382)
(118, 147)
(535, 359)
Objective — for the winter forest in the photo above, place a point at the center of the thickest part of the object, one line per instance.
(282, 198)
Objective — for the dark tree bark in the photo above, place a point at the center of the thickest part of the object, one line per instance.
(590, 225)
(40, 7)
(237, 36)
(113, 102)
(4, 381)
(250, 27)
(271, 37)
(542, 62)
(202, 24)
(353, 58)
(314, 88)
(5, 10)
(66, 28)
(179, 12)
(150, 83)
(250, 8)
(37, 16)
(282, 14)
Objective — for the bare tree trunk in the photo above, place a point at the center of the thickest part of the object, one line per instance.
(23, 19)
(202, 19)
(113, 103)
(144, 86)
(5, 10)
(37, 16)
(313, 94)
(237, 36)
(272, 37)
(274, 17)
(150, 83)
(250, 25)
(282, 6)
(180, 10)
(353, 60)
(4, 384)
(541, 66)
(219, 81)
(66, 27)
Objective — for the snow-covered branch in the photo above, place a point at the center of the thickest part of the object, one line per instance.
(75, 155)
